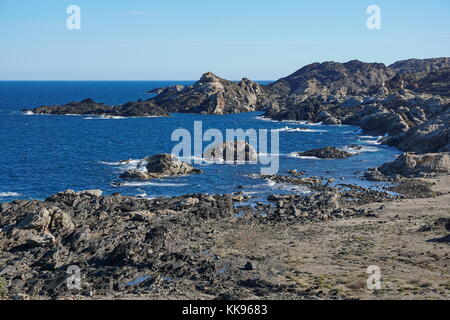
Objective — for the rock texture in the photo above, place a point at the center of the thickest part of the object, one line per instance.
(333, 78)
(160, 166)
(411, 165)
(110, 238)
(90, 107)
(233, 151)
(212, 95)
(420, 67)
(325, 153)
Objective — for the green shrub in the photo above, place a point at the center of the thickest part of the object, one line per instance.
(3, 287)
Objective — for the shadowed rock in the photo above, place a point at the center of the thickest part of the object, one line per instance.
(160, 166)
(410, 165)
(231, 151)
(326, 153)
(90, 107)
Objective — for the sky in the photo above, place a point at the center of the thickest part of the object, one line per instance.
(182, 39)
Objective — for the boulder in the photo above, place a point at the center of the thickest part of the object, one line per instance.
(231, 151)
(411, 165)
(160, 166)
(326, 153)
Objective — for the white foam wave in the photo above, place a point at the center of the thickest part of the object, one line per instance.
(9, 194)
(375, 142)
(295, 155)
(360, 150)
(131, 164)
(149, 183)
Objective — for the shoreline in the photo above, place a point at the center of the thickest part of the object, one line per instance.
(323, 259)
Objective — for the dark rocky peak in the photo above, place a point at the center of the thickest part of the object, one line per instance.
(88, 100)
(210, 77)
(420, 67)
(334, 78)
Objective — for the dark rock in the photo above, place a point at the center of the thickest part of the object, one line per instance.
(411, 165)
(90, 107)
(159, 166)
(326, 153)
(231, 151)
(248, 266)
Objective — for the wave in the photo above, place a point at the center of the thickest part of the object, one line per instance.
(265, 119)
(131, 164)
(9, 194)
(105, 118)
(295, 155)
(304, 122)
(287, 129)
(156, 184)
(376, 142)
(360, 150)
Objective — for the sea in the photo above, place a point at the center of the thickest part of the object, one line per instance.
(41, 155)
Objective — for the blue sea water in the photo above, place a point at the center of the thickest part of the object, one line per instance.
(44, 154)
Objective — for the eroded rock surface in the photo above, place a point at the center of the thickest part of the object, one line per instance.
(160, 166)
(326, 153)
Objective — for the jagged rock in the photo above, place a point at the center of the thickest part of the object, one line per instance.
(333, 78)
(413, 165)
(211, 94)
(159, 166)
(431, 136)
(410, 165)
(420, 67)
(326, 153)
(91, 193)
(90, 107)
(231, 151)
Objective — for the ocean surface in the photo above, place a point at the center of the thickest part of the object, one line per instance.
(45, 154)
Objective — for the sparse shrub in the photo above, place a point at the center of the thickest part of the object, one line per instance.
(3, 287)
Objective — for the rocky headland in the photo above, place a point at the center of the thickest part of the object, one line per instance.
(90, 107)
(312, 246)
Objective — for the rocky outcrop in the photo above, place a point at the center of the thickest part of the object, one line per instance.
(333, 78)
(111, 238)
(212, 95)
(430, 136)
(159, 166)
(435, 82)
(325, 153)
(90, 107)
(420, 67)
(233, 151)
(411, 165)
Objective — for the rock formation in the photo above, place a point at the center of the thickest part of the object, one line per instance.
(212, 95)
(411, 165)
(90, 107)
(160, 166)
(325, 153)
(233, 151)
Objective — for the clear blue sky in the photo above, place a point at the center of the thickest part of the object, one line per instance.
(181, 39)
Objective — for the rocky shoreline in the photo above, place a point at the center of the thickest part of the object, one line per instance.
(189, 246)
(203, 246)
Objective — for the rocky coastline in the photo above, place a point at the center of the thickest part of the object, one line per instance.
(201, 246)
(196, 246)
